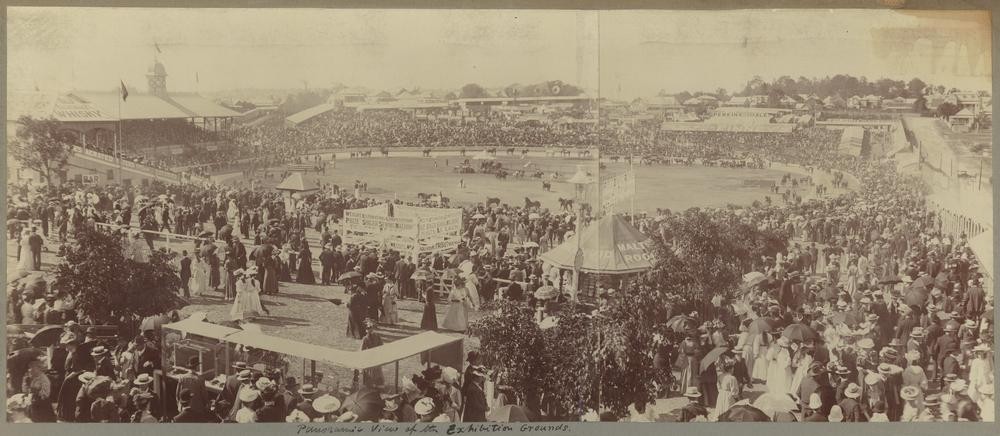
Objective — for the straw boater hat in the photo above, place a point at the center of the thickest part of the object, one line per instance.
(815, 402)
(917, 332)
(866, 343)
(692, 392)
(87, 377)
(932, 400)
(297, 416)
(263, 383)
(873, 379)
(909, 393)
(98, 350)
(970, 324)
(249, 395)
(326, 404)
(885, 369)
(142, 380)
(982, 348)
(853, 391)
(912, 355)
(307, 389)
(424, 406)
(958, 386)
(950, 378)
(243, 375)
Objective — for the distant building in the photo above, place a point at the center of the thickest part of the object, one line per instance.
(963, 121)
(899, 104)
(738, 102)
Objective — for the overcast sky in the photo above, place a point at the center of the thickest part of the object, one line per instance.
(621, 53)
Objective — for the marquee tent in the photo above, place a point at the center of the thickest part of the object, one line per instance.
(982, 246)
(612, 246)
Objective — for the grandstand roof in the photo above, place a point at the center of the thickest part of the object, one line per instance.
(310, 113)
(964, 113)
(149, 106)
(65, 108)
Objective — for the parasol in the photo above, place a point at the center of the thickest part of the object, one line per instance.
(205, 234)
(530, 244)
(366, 403)
(153, 322)
(744, 413)
(546, 293)
(851, 318)
(509, 413)
(761, 325)
(890, 280)
(712, 357)
(799, 332)
(752, 279)
(48, 335)
(923, 282)
(349, 275)
(533, 216)
(478, 216)
(774, 403)
(681, 323)
(100, 387)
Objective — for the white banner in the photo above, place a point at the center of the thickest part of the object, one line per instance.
(612, 192)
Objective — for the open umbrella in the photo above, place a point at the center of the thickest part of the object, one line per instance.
(712, 357)
(205, 234)
(533, 216)
(100, 387)
(478, 216)
(890, 280)
(45, 336)
(508, 413)
(922, 282)
(761, 325)
(530, 244)
(774, 403)
(915, 297)
(153, 322)
(744, 413)
(681, 323)
(349, 276)
(546, 292)
(366, 403)
(799, 332)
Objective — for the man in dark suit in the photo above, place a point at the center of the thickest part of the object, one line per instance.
(326, 260)
(270, 411)
(192, 382)
(232, 386)
(942, 348)
(190, 414)
(239, 253)
(35, 243)
(474, 398)
(185, 273)
(815, 376)
(693, 408)
(853, 412)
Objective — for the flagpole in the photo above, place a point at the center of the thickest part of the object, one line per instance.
(118, 143)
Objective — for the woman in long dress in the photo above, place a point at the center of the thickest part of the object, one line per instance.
(247, 303)
(779, 367)
(390, 292)
(281, 259)
(305, 274)
(729, 389)
(231, 279)
(199, 278)
(760, 345)
(853, 274)
(457, 318)
(803, 359)
(429, 319)
(213, 271)
(372, 377)
(25, 263)
(688, 360)
(270, 285)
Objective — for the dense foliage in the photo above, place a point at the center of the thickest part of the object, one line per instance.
(41, 145)
(110, 288)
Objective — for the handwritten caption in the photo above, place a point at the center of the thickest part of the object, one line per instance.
(410, 429)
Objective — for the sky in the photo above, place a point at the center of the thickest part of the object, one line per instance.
(616, 54)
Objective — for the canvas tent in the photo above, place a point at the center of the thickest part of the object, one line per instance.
(611, 246)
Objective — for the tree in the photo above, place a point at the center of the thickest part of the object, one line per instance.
(721, 93)
(41, 145)
(473, 90)
(511, 342)
(948, 109)
(110, 288)
(920, 105)
(915, 87)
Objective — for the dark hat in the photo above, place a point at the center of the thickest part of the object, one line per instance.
(816, 368)
(472, 356)
(186, 395)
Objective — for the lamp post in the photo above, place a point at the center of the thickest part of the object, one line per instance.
(580, 180)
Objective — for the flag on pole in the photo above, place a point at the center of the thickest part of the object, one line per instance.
(157, 46)
(124, 91)
(196, 77)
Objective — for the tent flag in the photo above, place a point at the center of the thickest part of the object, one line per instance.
(124, 91)
(157, 46)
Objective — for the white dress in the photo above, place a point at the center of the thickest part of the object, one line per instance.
(758, 358)
(779, 370)
(199, 278)
(26, 263)
(980, 374)
(800, 373)
(247, 302)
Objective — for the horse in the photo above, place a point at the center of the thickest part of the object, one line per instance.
(537, 174)
(510, 151)
(427, 152)
(462, 151)
(528, 204)
(501, 175)
(566, 204)
(424, 197)
(492, 151)
(492, 200)
(566, 152)
(385, 152)
(613, 158)
(547, 186)
(353, 155)
(524, 152)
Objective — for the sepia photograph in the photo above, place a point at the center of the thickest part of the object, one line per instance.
(478, 217)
